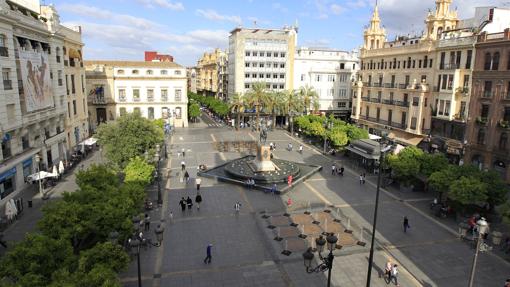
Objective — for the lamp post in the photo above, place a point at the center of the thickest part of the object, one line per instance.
(160, 200)
(138, 240)
(371, 257)
(327, 262)
(482, 228)
(326, 126)
(291, 123)
(38, 160)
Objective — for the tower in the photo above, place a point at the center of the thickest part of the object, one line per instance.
(374, 36)
(442, 19)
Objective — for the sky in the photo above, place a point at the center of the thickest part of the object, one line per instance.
(124, 29)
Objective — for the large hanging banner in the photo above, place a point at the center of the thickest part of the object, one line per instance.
(35, 73)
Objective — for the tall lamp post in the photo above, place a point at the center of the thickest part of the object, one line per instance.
(326, 126)
(482, 228)
(138, 240)
(371, 257)
(160, 200)
(327, 262)
(37, 161)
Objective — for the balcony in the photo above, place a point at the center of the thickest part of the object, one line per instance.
(150, 98)
(368, 84)
(460, 117)
(377, 85)
(7, 85)
(366, 99)
(399, 125)
(402, 86)
(487, 94)
(387, 102)
(382, 122)
(4, 52)
(375, 100)
(136, 99)
(401, 103)
(390, 85)
(482, 121)
(504, 124)
(122, 99)
(451, 66)
(99, 100)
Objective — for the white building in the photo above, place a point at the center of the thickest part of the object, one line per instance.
(329, 73)
(32, 92)
(158, 90)
(261, 55)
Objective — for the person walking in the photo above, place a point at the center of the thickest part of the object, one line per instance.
(387, 271)
(333, 169)
(182, 203)
(237, 207)
(198, 200)
(183, 150)
(364, 178)
(198, 181)
(394, 275)
(341, 171)
(186, 176)
(273, 189)
(189, 202)
(361, 179)
(301, 149)
(406, 224)
(147, 222)
(183, 165)
(208, 256)
(171, 216)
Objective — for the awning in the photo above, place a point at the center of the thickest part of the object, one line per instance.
(74, 54)
(362, 153)
(41, 175)
(405, 138)
(374, 137)
(89, 141)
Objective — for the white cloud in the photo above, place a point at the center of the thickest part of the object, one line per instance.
(279, 7)
(213, 15)
(176, 6)
(336, 9)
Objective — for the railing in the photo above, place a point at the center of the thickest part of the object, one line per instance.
(4, 52)
(401, 103)
(377, 85)
(402, 86)
(390, 85)
(375, 100)
(136, 99)
(7, 84)
(387, 102)
(122, 98)
(460, 117)
(415, 104)
(481, 121)
(371, 119)
(366, 99)
(150, 98)
(451, 66)
(487, 94)
(383, 122)
(362, 117)
(99, 100)
(399, 125)
(367, 84)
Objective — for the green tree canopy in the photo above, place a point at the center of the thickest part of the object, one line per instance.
(129, 136)
(138, 170)
(406, 164)
(431, 163)
(193, 110)
(468, 191)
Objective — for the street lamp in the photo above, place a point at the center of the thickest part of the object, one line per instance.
(327, 262)
(371, 257)
(482, 228)
(138, 240)
(38, 160)
(160, 200)
(326, 126)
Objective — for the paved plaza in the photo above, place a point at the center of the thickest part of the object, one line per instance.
(245, 252)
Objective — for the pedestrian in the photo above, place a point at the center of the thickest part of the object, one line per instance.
(208, 257)
(301, 149)
(237, 207)
(198, 200)
(406, 224)
(364, 178)
(342, 171)
(273, 189)
(198, 181)
(361, 179)
(171, 216)
(289, 180)
(147, 222)
(289, 202)
(394, 275)
(333, 169)
(183, 204)
(183, 165)
(189, 202)
(183, 150)
(186, 176)
(387, 271)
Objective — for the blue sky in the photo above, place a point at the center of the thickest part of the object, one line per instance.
(123, 29)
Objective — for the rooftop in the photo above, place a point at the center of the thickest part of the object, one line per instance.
(137, 64)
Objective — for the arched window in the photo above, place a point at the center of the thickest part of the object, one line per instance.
(487, 61)
(481, 136)
(120, 72)
(149, 72)
(503, 139)
(164, 72)
(134, 72)
(495, 61)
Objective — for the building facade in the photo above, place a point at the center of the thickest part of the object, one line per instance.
(488, 123)
(191, 74)
(157, 90)
(330, 73)
(261, 55)
(33, 104)
(209, 67)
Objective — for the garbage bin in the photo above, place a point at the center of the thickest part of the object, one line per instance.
(29, 203)
(463, 228)
(496, 237)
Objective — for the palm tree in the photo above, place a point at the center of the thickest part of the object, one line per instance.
(292, 103)
(237, 104)
(309, 96)
(257, 97)
(275, 101)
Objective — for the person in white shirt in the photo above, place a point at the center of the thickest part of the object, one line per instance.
(198, 181)
(394, 274)
(301, 149)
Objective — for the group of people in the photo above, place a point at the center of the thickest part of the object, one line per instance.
(391, 272)
(250, 183)
(337, 170)
(188, 202)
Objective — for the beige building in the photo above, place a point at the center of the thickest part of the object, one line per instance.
(158, 90)
(261, 55)
(209, 79)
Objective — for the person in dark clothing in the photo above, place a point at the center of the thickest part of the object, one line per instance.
(208, 258)
(198, 200)
(341, 171)
(406, 224)
(189, 202)
(183, 204)
(147, 222)
(186, 176)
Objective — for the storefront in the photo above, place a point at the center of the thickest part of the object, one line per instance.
(7, 182)
(365, 153)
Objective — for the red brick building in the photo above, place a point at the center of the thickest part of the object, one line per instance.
(153, 56)
(488, 128)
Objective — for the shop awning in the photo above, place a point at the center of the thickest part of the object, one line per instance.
(89, 141)
(405, 138)
(366, 148)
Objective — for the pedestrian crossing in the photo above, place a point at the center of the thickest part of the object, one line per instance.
(215, 125)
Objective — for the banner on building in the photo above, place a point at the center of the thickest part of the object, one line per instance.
(35, 73)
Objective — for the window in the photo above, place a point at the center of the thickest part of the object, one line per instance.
(378, 114)
(268, 76)
(503, 139)
(246, 75)
(275, 86)
(7, 78)
(487, 89)
(416, 101)
(268, 54)
(135, 72)
(341, 104)
(342, 93)
(254, 54)
(136, 95)
(413, 123)
(261, 65)
(137, 110)
(11, 113)
(6, 148)
(163, 72)
(149, 72)
(247, 53)
(282, 86)
(425, 61)
(447, 108)
(246, 86)
(484, 114)
(120, 72)
(164, 95)
(342, 66)
(465, 85)
(68, 110)
(506, 114)
(246, 65)
(3, 46)
(74, 107)
(508, 61)
(122, 95)
(150, 95)
(150, 113)
(275, 76)
(469, 58)
(450, 82)
(57, 54)
(282, 65)
(487, 62)
(440, 110)
(282, 54)
(178, 113)
(331, 78)
(481, 136)
(73, 88)
(303, 77)
(367, 111)
(275, 54)
(261, 76)
(275, 65)
(282, 76)
(254, 76)
(318, 78)
(122, 111)
(495, 61)
(82, 84)
(25, 143)
(59, 77)
(178, 95)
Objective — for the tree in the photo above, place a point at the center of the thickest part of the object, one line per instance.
(468, 191)
(257, 97)
(309, 97)
(106, 254)
(406, 164)
(274, 103)
(504, 210)
(193, 111)
(338, 137)
(431, 163)
(441, 180)
(237, 104)
(138, 170)
(292, 104)
(98, 176)
(496, 188)
(129, 136)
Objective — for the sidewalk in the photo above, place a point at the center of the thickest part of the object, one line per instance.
(27, 221)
